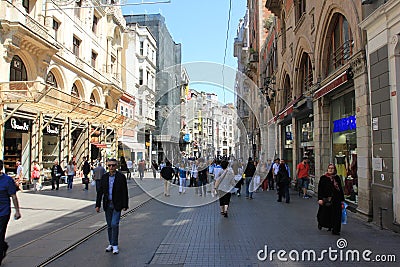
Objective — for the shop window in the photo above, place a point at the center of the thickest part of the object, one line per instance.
(340, 43)
(344, 143)
(51, 80)
(17, 70)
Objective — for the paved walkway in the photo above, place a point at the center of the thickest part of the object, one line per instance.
(163, 233)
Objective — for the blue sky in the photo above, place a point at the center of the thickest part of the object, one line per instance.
(200, 26)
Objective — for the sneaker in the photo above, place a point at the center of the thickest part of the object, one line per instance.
(109, 248)
(306, 197)
(115, 250)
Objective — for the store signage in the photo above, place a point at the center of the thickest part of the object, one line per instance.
(18, 125)
(51, 130)
(344, 124)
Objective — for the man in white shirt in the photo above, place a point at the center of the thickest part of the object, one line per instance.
(275, 169)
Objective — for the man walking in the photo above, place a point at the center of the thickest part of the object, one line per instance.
(7, 190)
(113, 191)
(86, 171)
(98, 172)
(56, 172)
(167, 173)
(303, 176)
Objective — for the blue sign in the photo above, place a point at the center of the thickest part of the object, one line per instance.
(345, 124)
(186, 138)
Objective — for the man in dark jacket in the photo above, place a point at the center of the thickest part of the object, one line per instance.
(167, 173)
(86, 171)
(113, 192)
(249, 173)
(56, 173)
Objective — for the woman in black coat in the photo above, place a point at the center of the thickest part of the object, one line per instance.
(330, 197)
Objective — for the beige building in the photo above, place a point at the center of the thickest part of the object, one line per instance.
(61, 68)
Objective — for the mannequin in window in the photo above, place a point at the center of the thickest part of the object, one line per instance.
(341, 165)
(351, 184)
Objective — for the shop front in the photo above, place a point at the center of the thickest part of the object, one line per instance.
(51, 148)
(344, 143)
(17, 136)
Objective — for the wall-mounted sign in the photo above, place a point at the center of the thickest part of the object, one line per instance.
(18, 125)
(344, 124)
(51, 129)
(375, 124)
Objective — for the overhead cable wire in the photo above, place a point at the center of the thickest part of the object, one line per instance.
(226, 47)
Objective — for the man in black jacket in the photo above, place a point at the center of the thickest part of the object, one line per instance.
(56, 173)
(113, 192)
(86, 170)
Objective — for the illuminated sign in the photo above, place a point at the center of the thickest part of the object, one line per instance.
(344, 124)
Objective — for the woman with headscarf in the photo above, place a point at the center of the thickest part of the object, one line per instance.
(330, 197)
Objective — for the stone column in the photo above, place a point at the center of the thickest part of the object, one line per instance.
(364, 152)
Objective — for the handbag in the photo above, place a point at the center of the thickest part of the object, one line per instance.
(85, 180)
(327, 201)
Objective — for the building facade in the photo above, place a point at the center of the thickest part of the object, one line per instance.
(168, 85)
(140, 61)
(382, 26)
(61, 72)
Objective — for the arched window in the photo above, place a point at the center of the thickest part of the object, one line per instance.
(18, 70)
(305, 73)
(287, 92)
(51, 80)
(74, 91)
(300, 9)
(340, 43)
(92, 99)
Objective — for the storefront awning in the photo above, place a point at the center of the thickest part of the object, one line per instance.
(39, 97)
(134, 146)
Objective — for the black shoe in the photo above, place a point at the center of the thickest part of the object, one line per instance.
(226, 214)
(335, 233)
(319, 227)
(279, 200)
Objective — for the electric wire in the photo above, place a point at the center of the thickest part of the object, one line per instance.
(226, 47)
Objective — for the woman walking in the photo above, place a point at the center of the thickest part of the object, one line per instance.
(36, 176)
(330, 197)
(224, 184)
(70, 173)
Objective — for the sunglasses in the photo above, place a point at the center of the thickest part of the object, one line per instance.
(112, 165)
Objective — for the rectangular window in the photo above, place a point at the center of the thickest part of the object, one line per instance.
(25, 4)
(77, 9)
(56, 26)
(140, 77)
(76, 44)
(94, 25)
(112, 71)
(94, 57)
(141, 48)
(140, 107)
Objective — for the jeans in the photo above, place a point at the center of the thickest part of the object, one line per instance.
(97, 185)
(202, 187)
(182, 184)
(112, 219)
(69, 180)
(141, 174)
(248, 181)
(3, 227)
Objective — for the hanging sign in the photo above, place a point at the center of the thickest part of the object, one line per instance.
(17, 125)
(344, 124)
(51, 129)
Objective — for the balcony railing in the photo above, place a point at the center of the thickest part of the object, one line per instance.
(342, 55)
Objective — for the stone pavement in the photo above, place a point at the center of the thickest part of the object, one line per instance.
(163, 233)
